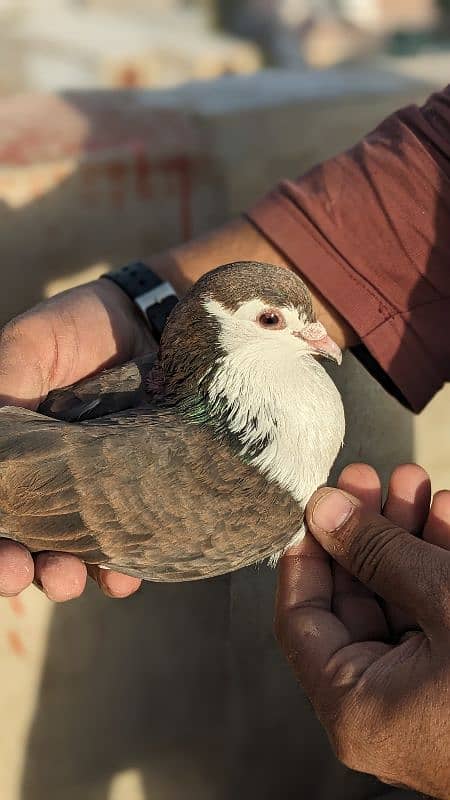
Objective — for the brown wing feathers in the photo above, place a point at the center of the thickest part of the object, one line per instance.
(152, 497)
(39, 503)
(112, 391)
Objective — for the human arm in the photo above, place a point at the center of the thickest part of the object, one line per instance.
(370, 230)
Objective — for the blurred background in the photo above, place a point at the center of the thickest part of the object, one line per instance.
(127, 127)
(154, 43)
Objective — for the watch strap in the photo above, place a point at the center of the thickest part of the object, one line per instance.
(154, 297)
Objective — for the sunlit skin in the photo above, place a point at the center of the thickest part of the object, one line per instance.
(378, 677)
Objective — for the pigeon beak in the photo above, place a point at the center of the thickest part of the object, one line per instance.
(315, 335)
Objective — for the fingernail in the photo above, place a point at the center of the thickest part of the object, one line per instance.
(331, 510)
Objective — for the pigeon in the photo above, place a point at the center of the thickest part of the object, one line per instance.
(192, 462)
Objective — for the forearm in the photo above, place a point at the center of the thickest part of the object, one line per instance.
(240, 240)
(369, 232)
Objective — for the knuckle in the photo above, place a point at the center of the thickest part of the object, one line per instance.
(344, 753)
(12, 333)
(432, 571)
(345, 746)
(19, 350)
(441, 581)
(291, 634)
(19, 334)
(30, 339)
(349, 734)
(371, 549)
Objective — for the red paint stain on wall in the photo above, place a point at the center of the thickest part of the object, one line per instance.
(17, 606)
(16, 644)
(181, 166)
(129, 77)
(143, 174)
(117, 174)
(137, 175)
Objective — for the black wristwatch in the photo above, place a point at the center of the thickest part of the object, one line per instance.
(155, 298)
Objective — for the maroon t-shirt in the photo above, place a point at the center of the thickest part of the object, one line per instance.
(370, 229)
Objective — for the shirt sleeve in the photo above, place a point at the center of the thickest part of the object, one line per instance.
(370, 229)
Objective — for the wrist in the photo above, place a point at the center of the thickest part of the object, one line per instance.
(134, 335)
(239, 240)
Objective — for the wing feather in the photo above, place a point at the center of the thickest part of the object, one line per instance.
(140, 491)
(111, 391)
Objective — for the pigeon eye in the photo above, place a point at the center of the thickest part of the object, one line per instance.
(271, 318)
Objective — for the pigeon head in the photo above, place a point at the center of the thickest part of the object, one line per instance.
(248, 312)
(240, 353)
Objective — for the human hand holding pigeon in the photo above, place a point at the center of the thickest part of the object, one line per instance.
(54, 344)
(237, 423)
(367, 631)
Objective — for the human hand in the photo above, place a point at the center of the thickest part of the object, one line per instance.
(368, 633)
(57, 343)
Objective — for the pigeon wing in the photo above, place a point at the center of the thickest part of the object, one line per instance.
(143, 493)
(110, 391)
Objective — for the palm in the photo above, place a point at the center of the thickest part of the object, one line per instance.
(367, 666)
(408, 506)
(58, 343)
(370, 628)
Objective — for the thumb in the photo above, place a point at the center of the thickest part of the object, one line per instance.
(390, 561)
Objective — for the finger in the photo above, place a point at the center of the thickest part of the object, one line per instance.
(66, 338)
(407, 505)
(61, 576)
(408, 500)
(315, 642)
(363, 482)
(114, 584)
(21, 375)
(437, 526)
(353, 603)
(390, 561)
(308, 632)
(357, 607)
(16, 568)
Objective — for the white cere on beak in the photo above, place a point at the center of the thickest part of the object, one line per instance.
(316, 337)
(314, 331)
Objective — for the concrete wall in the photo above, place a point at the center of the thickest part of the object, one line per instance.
(180, 691)
(53, 44)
